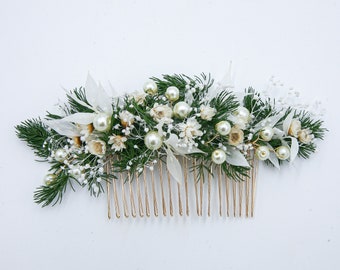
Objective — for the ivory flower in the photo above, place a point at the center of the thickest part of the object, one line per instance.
(294, 128)
(190, 130)
(161, 113)
(236, 136)
(118, 142)
(96, 147)
(139, 97)
(207, 112)
(126, 118)
(305, 136)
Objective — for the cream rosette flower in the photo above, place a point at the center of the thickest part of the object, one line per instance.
(305, 136)
(117, 142)
(236, 136)
(126, 118)
(207, 112)
(139, 97)
(96, 147)
(294, 128)
(161, 113)
(190, 130)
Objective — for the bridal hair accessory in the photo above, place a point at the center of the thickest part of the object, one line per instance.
(181, 144)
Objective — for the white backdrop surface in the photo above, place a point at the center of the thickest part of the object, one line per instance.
(46, 45)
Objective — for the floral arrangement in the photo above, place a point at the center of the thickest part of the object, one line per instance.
(173, 116)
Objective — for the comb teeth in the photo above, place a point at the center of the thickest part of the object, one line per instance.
(218, 195)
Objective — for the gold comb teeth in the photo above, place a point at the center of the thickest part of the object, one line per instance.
(217, 190)
(183, 146)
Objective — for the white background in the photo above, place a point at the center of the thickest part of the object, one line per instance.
(48, 44)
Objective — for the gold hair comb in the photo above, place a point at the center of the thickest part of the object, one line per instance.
(183, 145)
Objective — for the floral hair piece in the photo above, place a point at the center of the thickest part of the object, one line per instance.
(176, 132)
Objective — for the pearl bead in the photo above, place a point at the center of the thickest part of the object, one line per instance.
(282, 152)
(150, 88)
(262, 152)
(267, 134)
(243, 114)
(153, 140)
(60, 155)
(76, 172)
(218, 156)
(172, 93)
(182, 109)
(102, 122)
(49, 178)
(223, 128)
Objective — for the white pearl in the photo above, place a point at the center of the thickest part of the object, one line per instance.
(60, 155)
(172, 93)
(282, 152)
(223, 128)
(243, 114)
(150, 88)
(102, 122)
(76, 172)
(262, 152)
(153, 140)
(267, 134)
(49, 178)
(181, 109)
(218, 156)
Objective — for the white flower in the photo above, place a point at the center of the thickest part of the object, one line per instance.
(118, 142)
(161, 113)
(139, 97)
(189, 130)
(294, 128)
(126, 118)
(96, 147)
(207, 113)
(236, 136)
(305, 136)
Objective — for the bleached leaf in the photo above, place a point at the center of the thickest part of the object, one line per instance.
(91, 89)
(236, 158)
(272, 157)
(104, 101)
(174, 167)
(63, 128)
(287, 122)
(294, 149)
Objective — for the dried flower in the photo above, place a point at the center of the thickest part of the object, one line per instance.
(118, 142)
(294, 128)
(139, 97)
(305, 136)
(236, 136)
(96, 147)
(190, 130)
(126, 118)
(161, 113)
(207, 112)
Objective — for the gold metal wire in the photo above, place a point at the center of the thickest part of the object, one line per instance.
(139, 197)
(196, 191)
(162, 188)
(147, 206)
(220, 189)
(185, 162)
(170, 194)
(239, 195)
(132, 200)
(227, 193)
(108, 191)
(154, 197)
